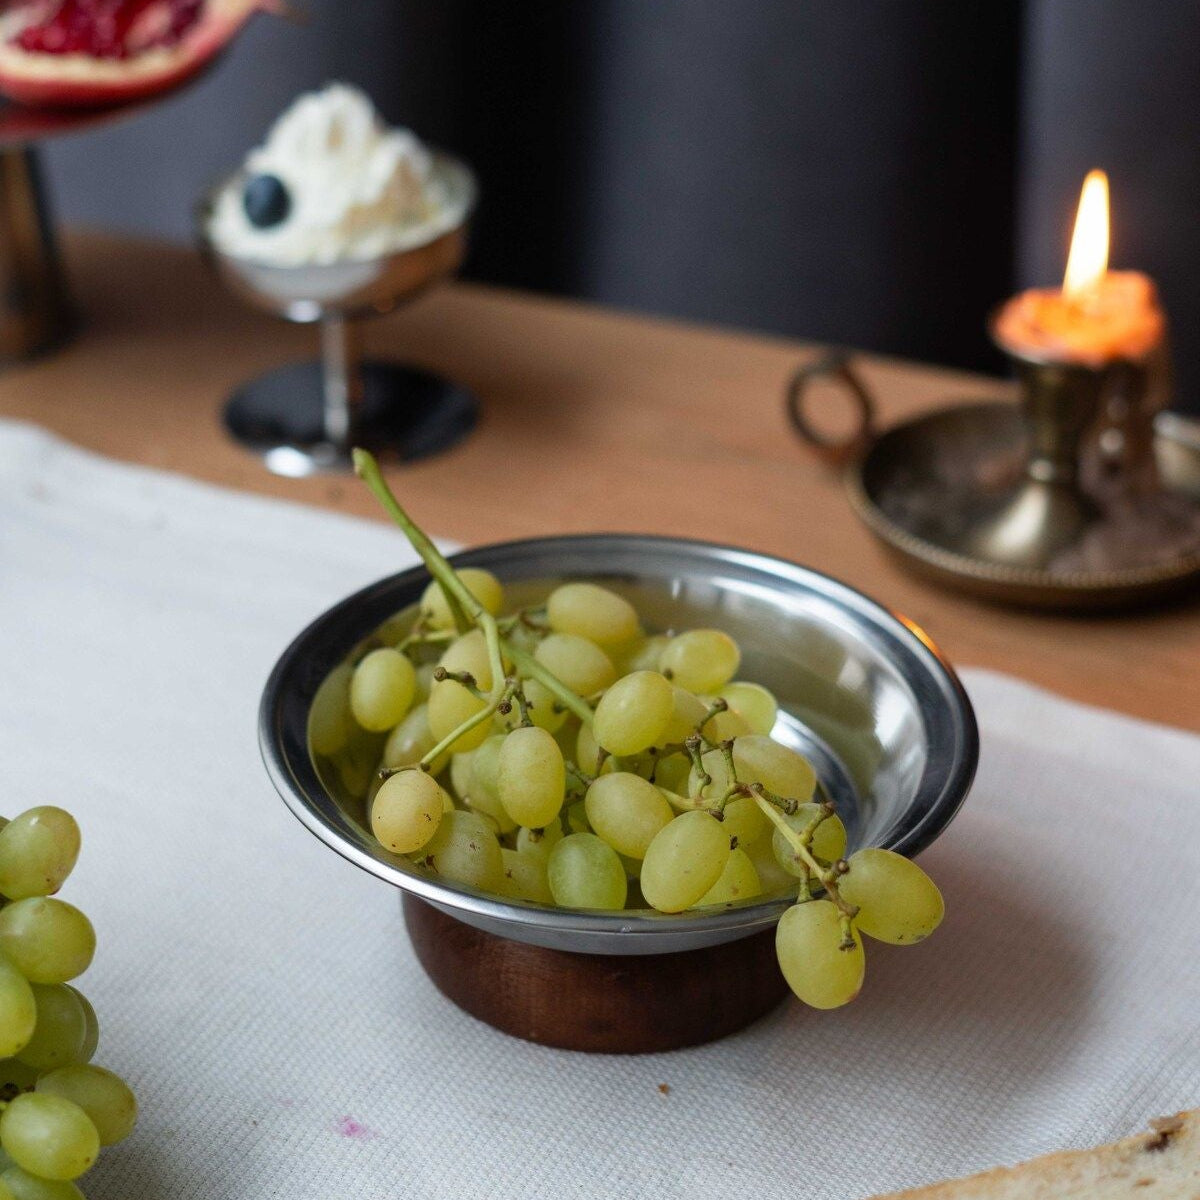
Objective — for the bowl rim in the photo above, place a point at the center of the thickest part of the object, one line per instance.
(292, 771)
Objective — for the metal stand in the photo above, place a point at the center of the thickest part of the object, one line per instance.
(305, 417)
(34, 313)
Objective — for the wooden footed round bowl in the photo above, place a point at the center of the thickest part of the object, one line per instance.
(606, 1003)
(864, 694)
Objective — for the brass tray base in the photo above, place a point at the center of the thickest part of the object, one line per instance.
(927, 487)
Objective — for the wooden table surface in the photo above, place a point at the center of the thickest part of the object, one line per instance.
(593, 420)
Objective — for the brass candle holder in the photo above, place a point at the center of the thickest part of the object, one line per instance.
(1063, 404)
(1053, 502)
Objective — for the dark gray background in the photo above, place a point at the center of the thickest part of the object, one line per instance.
(870, 172)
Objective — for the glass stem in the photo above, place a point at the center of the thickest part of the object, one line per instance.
(341, 378)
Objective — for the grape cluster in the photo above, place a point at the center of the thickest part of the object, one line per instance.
(56, 1109)
(563, 755)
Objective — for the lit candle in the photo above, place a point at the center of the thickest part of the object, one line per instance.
(1099, 316)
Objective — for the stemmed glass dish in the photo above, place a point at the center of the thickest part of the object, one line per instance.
(305, 417)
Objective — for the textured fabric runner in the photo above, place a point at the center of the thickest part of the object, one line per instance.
(261, 995)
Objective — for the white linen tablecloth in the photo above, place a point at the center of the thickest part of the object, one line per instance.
(261, 995)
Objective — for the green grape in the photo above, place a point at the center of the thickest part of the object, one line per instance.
(626, 811)
(566, 735)
(531, 777)
(745, 821)
(450, 704)
(771, 875)
(828, 844)
(490, 822)
(686, 714)
(683, 861)
(640, 655)
(577, 821)
(382, 689)
(410, 741)
(808, 944)
(423, 682)
(496, 814)
(701, 660)
(897, 902)
(469, 653)
(633, 714)
(671, 772)
(38, 850)
(483, 585)
(60, 1033)
(16, 1076)
(593, 612)
(587, 750)
(525, 876)
(633, 867)
(544, 709)
(407, 811)
(330, 722)
(91, 1032)
(18, 1010)
(104, 1096)
(577, 662)
(759, 759)
(585, 872)
(23, 1186)
(465, 850)
(539, 841)
(482, 789)
(49, 1136)
(738, 881)
(396, 628)
(753, 702)
(460, 773)
(47, 940)
(357, 761)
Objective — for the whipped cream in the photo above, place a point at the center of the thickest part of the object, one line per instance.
(355, 188)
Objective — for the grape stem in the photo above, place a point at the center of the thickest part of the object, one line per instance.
(426, 637)
(526, 617)
(486, 713)
(522, 706)
(463, 605)
(692, 745)
(800, 841)
(734, 788)
(529, 666)
(462, 677)
(464, 608)
(717, 707)
(578, 774)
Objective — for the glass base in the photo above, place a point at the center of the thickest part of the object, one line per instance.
(405, 412)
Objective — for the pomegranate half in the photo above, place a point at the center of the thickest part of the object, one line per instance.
(96, 53)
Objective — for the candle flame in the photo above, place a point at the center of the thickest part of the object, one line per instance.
(1088, 260)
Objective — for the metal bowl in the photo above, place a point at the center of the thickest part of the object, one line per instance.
(863, 693)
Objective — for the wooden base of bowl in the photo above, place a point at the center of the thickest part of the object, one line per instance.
(609, 1004)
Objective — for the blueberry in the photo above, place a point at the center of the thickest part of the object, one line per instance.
(266, 200)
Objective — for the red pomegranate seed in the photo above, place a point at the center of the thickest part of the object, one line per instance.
(109, 28)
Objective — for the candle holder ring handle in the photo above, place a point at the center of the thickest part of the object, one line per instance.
(835, 451)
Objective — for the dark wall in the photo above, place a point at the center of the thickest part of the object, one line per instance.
(869, 172)
(1117, 85)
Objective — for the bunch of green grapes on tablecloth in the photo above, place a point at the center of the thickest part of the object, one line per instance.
(562, 755)
(56, 1109)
